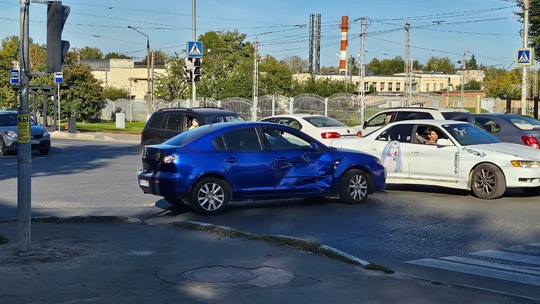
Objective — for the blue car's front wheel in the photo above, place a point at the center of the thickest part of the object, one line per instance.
(354, 187)
(210, 195)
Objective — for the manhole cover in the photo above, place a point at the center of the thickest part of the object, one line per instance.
(221, 275)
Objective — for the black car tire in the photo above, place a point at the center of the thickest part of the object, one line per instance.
(354, 187)
(210, 195)
(488, 182)
(3, 150)
(44, 151)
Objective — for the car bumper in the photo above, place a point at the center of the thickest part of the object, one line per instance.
(163, 184)
(522, 177)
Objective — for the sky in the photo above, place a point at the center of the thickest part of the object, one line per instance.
(487, 29)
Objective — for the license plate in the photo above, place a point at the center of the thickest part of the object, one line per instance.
(35, 141)
(144, 183)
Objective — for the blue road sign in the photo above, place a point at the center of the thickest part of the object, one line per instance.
(194, 49)
(58, 77)
(524, 56)
(14, 76)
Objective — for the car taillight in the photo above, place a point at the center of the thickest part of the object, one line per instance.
(359, 134)
(531, 141)
(327, 135)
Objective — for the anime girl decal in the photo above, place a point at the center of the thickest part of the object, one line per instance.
(391, 157)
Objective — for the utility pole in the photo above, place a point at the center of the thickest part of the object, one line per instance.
(362, 69)
(194, 102)
(462, 79)
(255, 78)
(408, 78)
(525, 45)
(24, 152)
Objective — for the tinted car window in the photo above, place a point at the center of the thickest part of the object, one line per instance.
(487, 124)
(450, 115)
(174, 122)
(242, 140)
(283, 140)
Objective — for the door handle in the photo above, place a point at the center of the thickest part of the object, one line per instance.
(231, 160)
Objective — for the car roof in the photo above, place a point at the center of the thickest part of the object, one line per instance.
(197, 110)
(426, 109)
(301, 115)
(435, 122)
(8, 112)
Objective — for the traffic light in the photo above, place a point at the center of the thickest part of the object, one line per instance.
(56, 47)
(188, 68)
(197, 69)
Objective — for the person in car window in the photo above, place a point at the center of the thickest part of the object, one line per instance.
(432, 137)
(194, 124)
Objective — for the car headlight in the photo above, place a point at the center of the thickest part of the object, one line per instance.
(169, 159)
(526, 163)
(11, 134)
(46, 134)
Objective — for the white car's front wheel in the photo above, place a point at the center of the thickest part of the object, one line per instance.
(488, 182)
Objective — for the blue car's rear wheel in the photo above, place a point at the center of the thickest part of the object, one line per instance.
(210, 195)
(354, 187)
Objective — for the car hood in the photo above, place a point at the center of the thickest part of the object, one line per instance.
(35, 129)
(518, 150)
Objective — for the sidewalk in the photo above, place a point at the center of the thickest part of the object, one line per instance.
(106, 136)
(111, 260)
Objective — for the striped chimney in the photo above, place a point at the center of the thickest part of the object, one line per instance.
(344, 44)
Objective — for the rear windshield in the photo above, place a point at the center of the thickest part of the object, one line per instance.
(450, 115)
(221, 117)
(525, 123)
(323, 121)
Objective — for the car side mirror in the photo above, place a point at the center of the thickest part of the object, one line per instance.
(365, 124)
(444, 142)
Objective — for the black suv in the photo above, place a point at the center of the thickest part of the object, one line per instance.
(169, 122)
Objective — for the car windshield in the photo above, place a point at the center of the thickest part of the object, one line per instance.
(323, 121)
(451, 115)
(467, 134)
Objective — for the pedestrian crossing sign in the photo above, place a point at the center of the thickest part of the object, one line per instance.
(194, 49)
(524, 56)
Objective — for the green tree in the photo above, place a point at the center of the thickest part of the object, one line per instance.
(83, 98)
(502, 83)
(90, 53)
(297, 64)
(114, 55)
(172, 84)
(113, 93)
(437, 64)
(471, 64)
(275, 77)
(227, 66)
(386, 66)
(534, 24)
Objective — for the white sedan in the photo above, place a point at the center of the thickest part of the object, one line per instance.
(320, 127)
(465, 157)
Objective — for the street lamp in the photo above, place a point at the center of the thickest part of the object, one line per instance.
(148, 90)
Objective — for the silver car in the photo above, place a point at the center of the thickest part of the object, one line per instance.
(40, 138)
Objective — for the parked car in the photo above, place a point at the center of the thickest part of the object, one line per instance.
(169, 122)
(40, 139)
(407, 113)
(512, 128)
(320, 127)
(213, 164)
(465, 157)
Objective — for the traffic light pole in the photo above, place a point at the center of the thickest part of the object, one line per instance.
(194, 102)
(24, 156)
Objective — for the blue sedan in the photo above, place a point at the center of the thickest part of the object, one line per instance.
(213, 164)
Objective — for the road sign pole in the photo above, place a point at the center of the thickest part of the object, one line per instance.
(525, 44)
(24, 151)
(194, 102)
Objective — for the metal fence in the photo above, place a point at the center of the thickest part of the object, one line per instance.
(343, 107)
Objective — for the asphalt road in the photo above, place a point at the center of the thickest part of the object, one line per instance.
(415, 231)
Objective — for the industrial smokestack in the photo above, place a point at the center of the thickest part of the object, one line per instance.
(344, 44)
